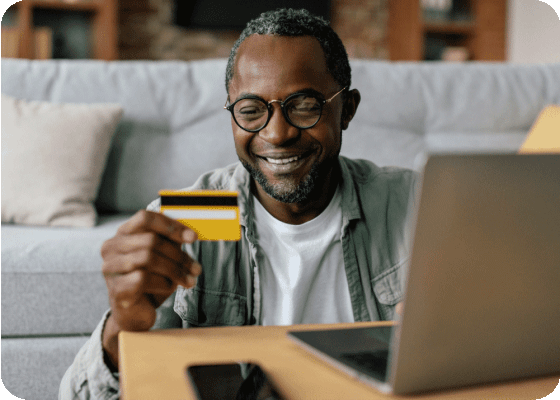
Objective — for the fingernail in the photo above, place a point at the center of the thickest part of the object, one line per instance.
(189, 236)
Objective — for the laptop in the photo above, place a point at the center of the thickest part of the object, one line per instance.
(482, 299)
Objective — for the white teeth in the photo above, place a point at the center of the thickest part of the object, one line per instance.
(282, 160)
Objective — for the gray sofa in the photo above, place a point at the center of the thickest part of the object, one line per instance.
(174, 128)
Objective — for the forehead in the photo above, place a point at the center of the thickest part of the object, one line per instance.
(275, 66)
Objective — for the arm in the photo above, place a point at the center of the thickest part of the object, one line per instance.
(142, 266)
(88, 377)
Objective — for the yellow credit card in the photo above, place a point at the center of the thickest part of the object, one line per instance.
(212, 214)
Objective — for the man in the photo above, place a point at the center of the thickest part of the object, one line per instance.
(322, 235)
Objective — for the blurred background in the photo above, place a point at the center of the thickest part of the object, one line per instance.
(518, 31)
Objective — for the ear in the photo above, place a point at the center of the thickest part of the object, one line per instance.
(352, 100)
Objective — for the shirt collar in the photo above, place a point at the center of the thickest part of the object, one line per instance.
(349, 202)
(241, 182)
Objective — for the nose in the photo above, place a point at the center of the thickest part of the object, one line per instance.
(278, 131)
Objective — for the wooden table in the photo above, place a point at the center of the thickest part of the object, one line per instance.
(153, 366)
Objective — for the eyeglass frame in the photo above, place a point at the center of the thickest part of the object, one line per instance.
(322, 103)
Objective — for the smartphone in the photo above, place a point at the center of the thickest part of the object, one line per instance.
(232, 381)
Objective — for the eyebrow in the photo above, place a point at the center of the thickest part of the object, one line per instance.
(309, 91)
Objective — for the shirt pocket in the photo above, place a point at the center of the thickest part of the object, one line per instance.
(202, 307)
(388, 290)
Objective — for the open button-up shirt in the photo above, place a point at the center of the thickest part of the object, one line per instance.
(375, 203)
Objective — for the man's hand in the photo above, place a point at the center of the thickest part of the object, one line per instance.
(142, 265)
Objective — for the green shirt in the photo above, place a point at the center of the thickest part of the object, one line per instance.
(375, 203)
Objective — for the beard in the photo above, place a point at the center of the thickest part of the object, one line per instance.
(287, 191)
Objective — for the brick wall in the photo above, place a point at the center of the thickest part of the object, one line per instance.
(146, 31)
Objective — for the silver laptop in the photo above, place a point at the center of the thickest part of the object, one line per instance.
(482, 297)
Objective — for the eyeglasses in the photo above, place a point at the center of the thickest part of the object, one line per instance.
(301, 110)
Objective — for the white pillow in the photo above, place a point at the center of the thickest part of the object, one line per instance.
(53, 157)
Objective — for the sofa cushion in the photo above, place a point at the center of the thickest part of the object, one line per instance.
(475, 142)
(372, 144)
(32, 368)
(487, 97)
(51, 278)
(53, 156)
(175, 128)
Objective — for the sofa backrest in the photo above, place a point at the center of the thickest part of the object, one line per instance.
(174, 127)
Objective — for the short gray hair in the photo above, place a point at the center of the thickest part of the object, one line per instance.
(289, 22)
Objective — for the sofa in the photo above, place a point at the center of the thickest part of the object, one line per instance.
(171, 128)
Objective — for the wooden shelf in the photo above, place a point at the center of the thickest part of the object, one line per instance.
(449, 27)
(481, 32)
(103, 24)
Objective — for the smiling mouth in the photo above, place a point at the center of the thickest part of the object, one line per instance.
(285, 160)
(281, 161)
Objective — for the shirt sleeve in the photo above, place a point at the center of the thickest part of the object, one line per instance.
(89, 377)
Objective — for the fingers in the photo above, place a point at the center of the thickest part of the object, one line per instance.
(142, 266)
(182, 273)
(148, 250)
(147, 221)
(133, 286)
(135, 296)
(132, 309)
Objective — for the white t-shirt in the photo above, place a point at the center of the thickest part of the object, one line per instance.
(301, 268)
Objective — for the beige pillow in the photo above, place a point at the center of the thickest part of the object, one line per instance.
(53, 157)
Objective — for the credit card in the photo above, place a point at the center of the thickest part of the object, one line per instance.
(212, 214)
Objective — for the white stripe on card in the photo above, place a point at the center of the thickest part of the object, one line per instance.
(200, 214)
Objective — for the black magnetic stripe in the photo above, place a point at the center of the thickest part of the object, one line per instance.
(198, 200)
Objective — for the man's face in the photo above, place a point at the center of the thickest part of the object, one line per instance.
(289, 164)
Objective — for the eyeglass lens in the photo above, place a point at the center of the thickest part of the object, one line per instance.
(302, 111)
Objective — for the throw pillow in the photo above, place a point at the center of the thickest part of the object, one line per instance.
(53, 157)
